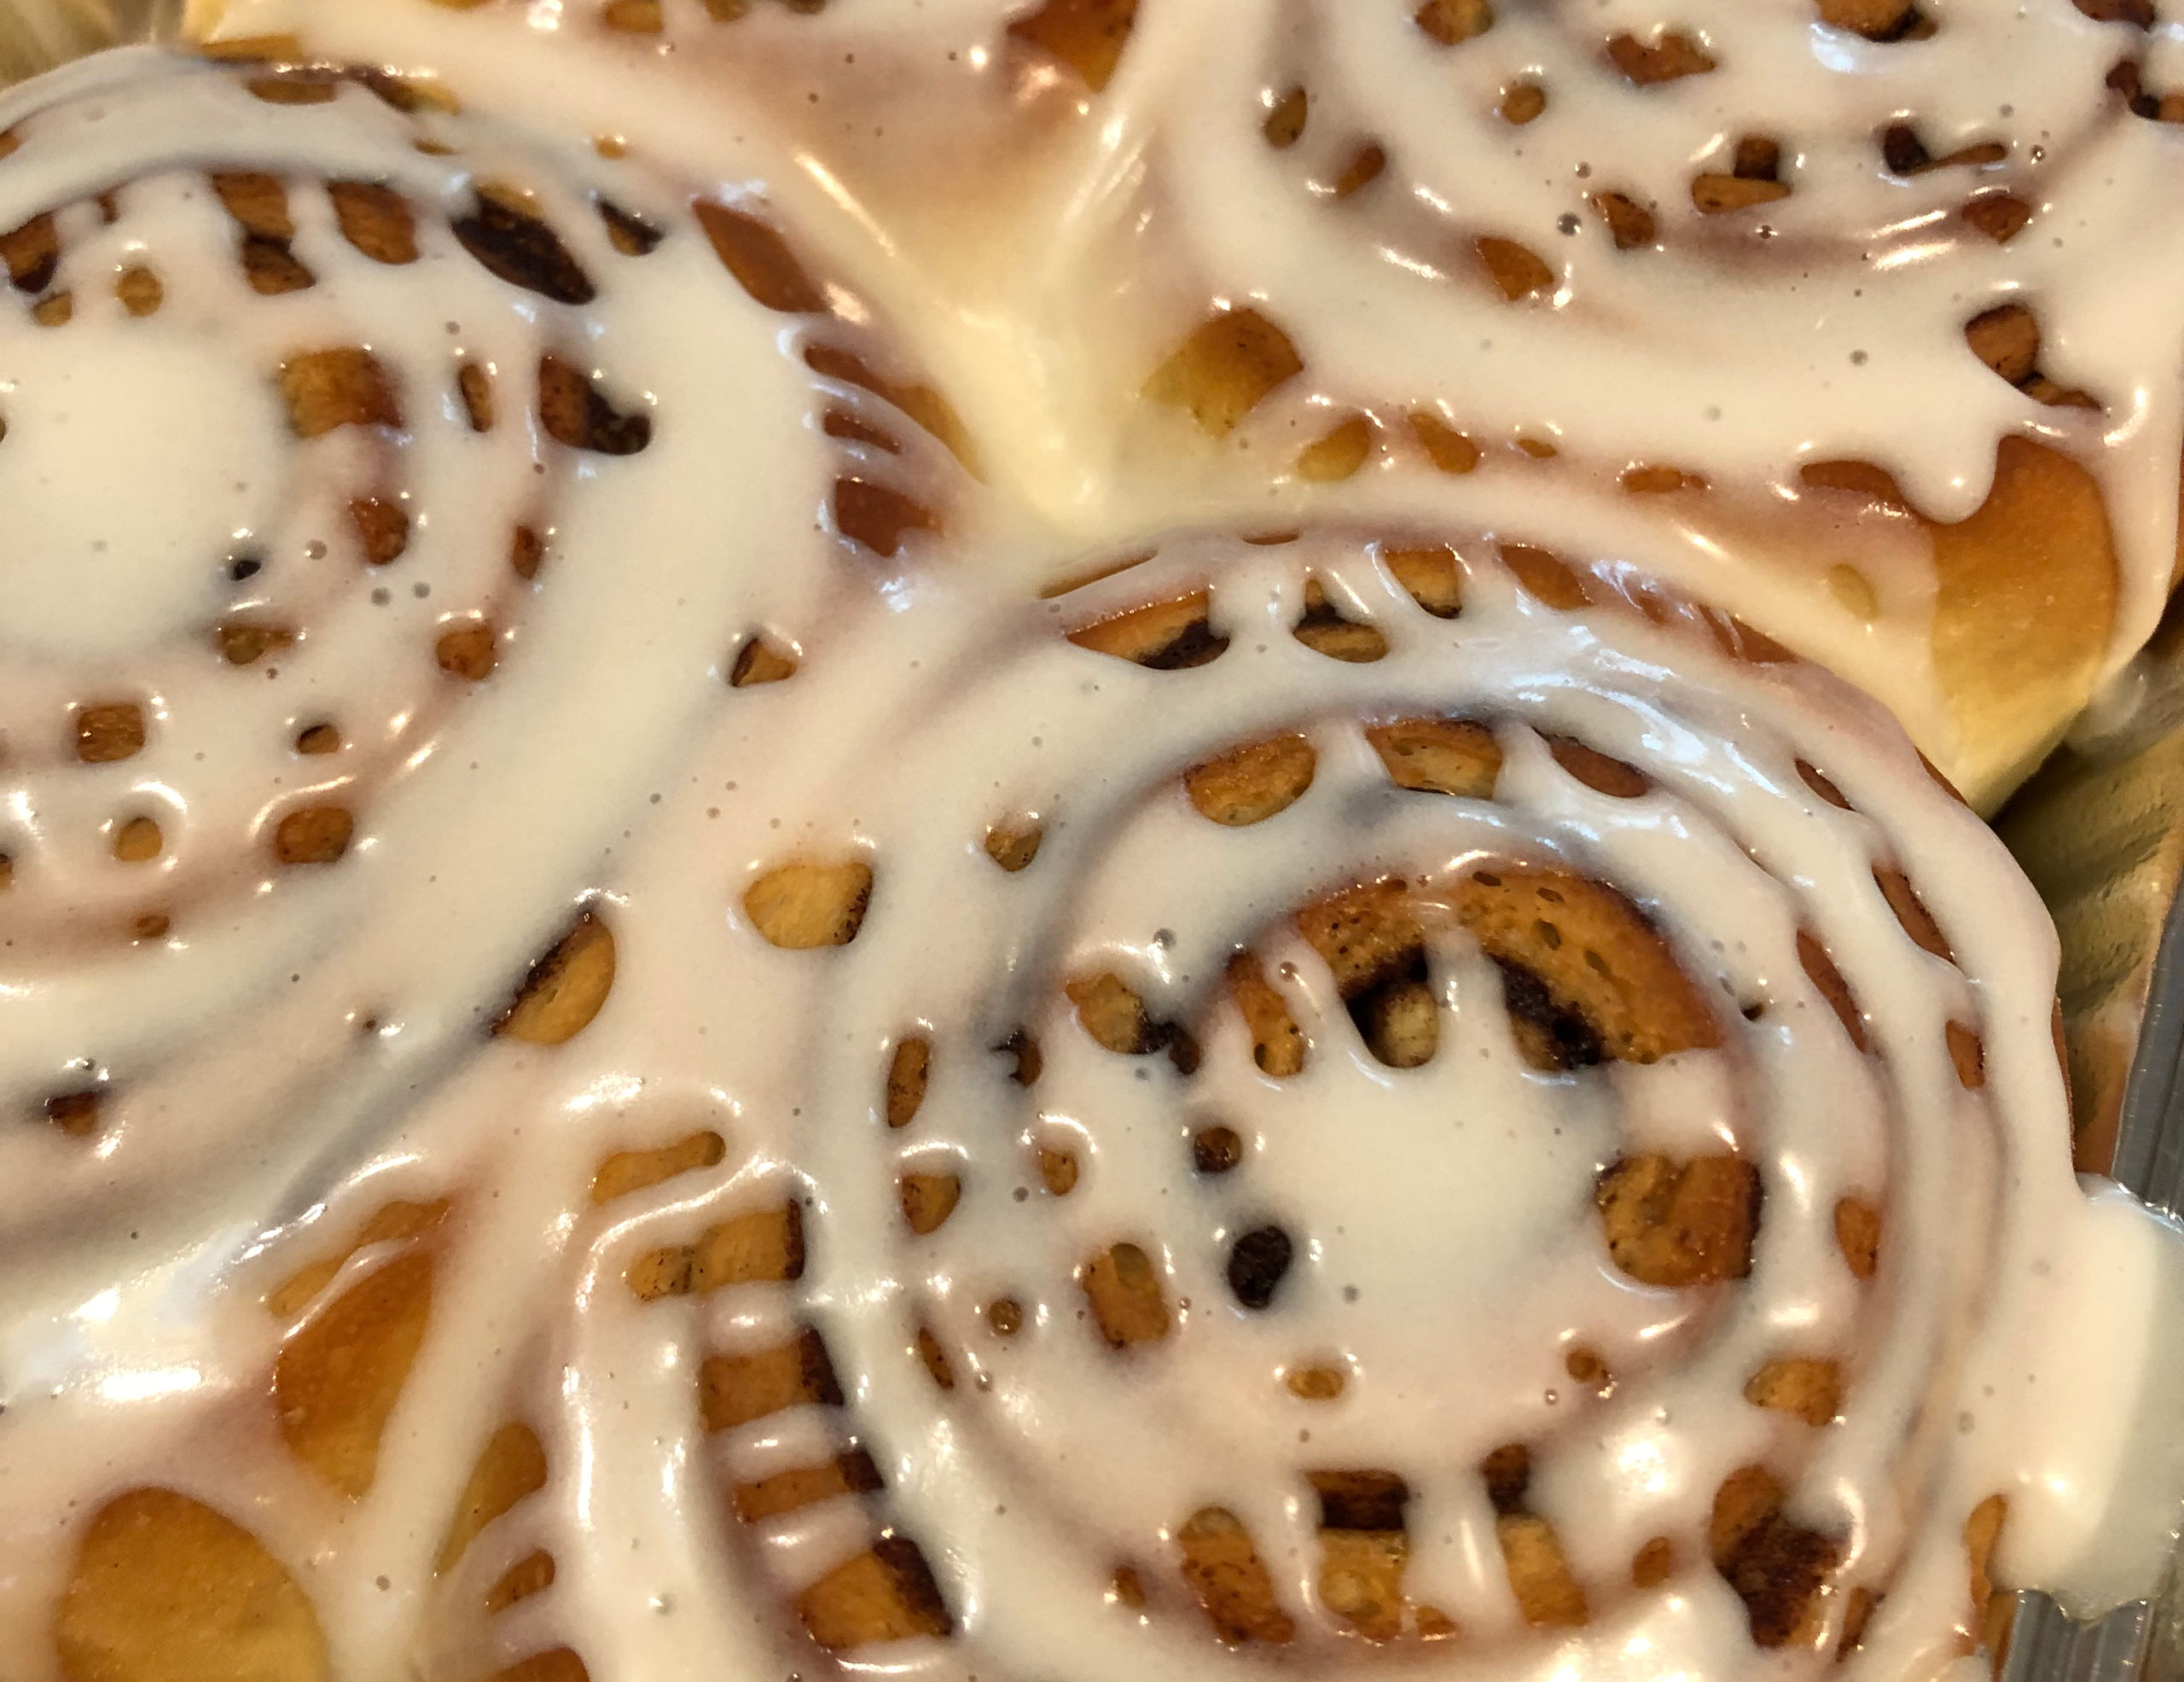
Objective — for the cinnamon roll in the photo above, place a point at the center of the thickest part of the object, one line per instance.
(841, 844)
(1841, 316)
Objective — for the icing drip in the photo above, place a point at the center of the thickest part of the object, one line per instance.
(1376, 1085)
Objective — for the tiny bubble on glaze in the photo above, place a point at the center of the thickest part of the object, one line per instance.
(1443, 1279)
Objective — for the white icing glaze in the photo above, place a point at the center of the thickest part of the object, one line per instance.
(1041, 264)
(302, 1045)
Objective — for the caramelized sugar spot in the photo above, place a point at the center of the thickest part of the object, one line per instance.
(1717, 194)
(1452, 22)
(1123, 1288)
(1999, 215)
(1013, 845)
(1911, 911)
(1112, 1012)
(850, 1473)
(342, 386)
(885, 1594)
(511, 1465)
(1429, 575)
(1338, 453)
(759, 258)
(32, 252)
(1982, 1529)
(557, 1664)
(75, 1114)
(375, 220)
(1363, 1548)
(469, 652)
(302, 87)
(108, 731)
(1323, 629)
(1597, 770)
(1522, 102)
(1217, 1150)
(1251, 783)
(391, 1223)
(1876, 20)
(532, 1574)
(1968, 1056)
(1285, 121)
(1817, 781)
(1808, 1388)
(1222, 370)
(1630, 223)
(1316, 1383)
(164, 1589)
(272, 269)
(1857, 1235)
(802, 907)
(1654, 1564)
(1277, 1043)
(879, 516)
(759, 662)
(1517, 271)
(565, 989)
(631, 1171)
(313, 835)
(1448, 449)
(1548, 1594)
(139, 290)
(574, 411)
(934, 1359)
(1545, 576)
(382, 526)
(1675, 1224)
(338, 1376)
(1165, 636)
(928, 1200)
(760, 1246)
(2008, 340)
(923, 403)
(1671, 56)
(1088, 35)
(1443, 756)
(628, 232)
(246, 641)
(735, 1389)
(138, 841)
(1777, 1567)
(1821, 970)
(475, 384)
(1222, 1567)
(908, 1073)
(513, 245)
(1370, 941)
(1058, 1171)
(1585, 976)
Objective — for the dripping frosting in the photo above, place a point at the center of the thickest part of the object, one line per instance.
(765, 697)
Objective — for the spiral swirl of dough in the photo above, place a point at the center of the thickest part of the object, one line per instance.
(1339, 1090)
(378, 390)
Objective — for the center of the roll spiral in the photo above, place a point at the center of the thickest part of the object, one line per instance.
(126, 483)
